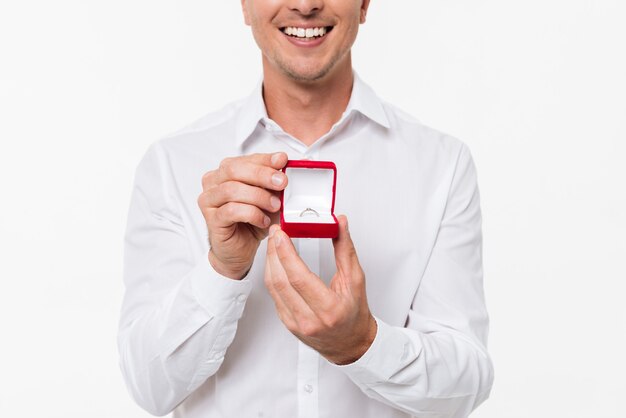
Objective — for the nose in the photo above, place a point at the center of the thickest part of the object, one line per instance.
(306, 7)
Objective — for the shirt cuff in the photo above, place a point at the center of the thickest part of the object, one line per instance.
(219, 295)
(391, 351)
(204, 296)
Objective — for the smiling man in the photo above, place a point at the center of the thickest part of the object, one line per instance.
(226, 316)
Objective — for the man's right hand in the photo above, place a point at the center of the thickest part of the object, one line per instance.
(239, 202)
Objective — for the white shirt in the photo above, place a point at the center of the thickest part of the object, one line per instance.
(203, 345)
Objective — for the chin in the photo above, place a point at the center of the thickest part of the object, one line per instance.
(306, 74)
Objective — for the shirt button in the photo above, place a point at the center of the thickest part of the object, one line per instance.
(308, 388)
(216, 356)
(241, 298)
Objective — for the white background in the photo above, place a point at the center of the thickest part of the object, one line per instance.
(536, 88)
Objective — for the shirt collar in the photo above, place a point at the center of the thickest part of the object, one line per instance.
(363, 99)
(251, 112)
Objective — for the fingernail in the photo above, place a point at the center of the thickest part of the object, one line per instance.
(275, 202)
(347, 229)
(267, 221)
(273, 229)
(275, 158)
(277, 179)
(277, 238)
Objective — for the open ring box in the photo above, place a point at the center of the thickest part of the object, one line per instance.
(308, 201)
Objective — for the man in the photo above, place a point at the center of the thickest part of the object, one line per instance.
(386, 320)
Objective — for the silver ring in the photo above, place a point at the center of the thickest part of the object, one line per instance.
(309, 210)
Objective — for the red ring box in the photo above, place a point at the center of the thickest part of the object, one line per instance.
(311, 185)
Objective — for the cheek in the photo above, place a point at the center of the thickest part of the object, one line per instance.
(262, 27)
(352, 18)
(260, 33)
(351, 34)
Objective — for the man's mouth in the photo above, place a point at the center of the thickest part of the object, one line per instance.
(306, 33)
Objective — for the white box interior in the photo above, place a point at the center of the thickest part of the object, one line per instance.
(308, 188)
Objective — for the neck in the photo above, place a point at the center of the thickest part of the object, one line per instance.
(307, 110)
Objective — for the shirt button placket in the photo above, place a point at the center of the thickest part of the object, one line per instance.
(308, 359)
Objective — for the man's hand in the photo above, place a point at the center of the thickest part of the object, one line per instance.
(238, 202)
(335, 320)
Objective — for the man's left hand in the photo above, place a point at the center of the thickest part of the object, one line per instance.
(334, 320)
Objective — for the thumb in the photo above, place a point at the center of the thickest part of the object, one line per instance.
(345, 253)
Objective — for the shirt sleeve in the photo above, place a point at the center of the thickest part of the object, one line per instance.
(437, 365)
(179, 315)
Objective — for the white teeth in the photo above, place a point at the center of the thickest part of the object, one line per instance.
(304, 32)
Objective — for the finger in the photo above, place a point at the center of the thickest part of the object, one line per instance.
(310, 287)
(250, 172)
(209, 179)
(281, 284)
(234, 191)
(345, 253)
(284, 314)
(234, 212)
(274, 217)
(275, 160)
